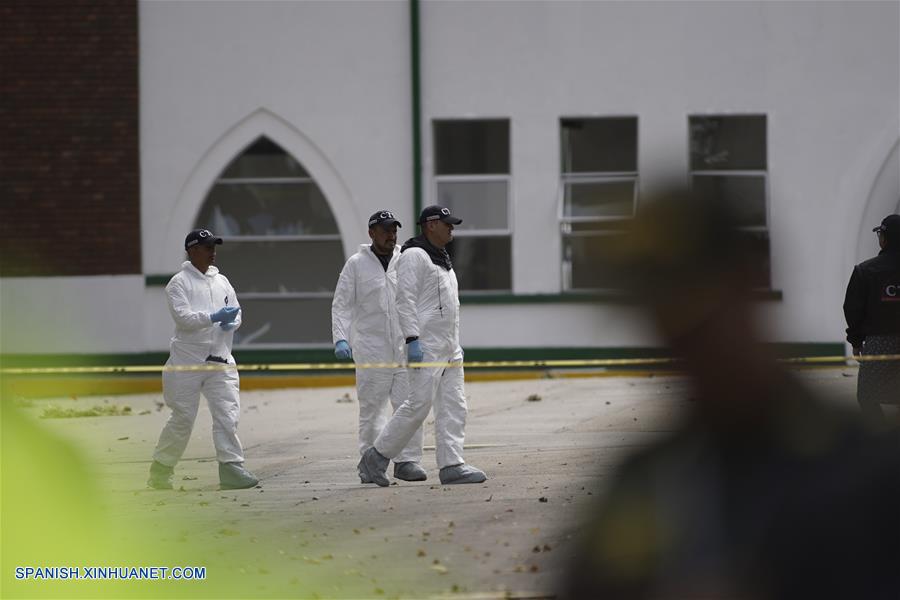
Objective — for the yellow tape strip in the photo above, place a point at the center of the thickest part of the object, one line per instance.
(343, 366)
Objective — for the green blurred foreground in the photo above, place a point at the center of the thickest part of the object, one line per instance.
(54, 514)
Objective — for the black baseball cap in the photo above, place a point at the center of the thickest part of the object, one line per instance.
(201, 236)
(438, 213)
(383, 217)
(890, 226)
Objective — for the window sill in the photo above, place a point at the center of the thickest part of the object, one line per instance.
(586, 297)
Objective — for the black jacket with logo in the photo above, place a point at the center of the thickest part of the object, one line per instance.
(872, 303)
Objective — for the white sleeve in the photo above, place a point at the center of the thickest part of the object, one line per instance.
(233, 294)
(343, 303)
(409, 276)
(180, 307)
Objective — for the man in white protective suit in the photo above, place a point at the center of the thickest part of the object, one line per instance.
(428, 308)
(365, 328)
(206, 312)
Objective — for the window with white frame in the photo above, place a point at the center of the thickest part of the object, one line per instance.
(282, 249)
(598, 194)
(729, 161)
(472, 179)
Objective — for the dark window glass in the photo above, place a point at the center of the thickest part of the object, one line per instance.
(745, 195)
(587, 256)
(480, 204)
(288, 321)
(281, 266)
(599, 145)
(292, 272)
(724, 143)
(599, 198)
(757, 243)
(471, 147)
(482, 263)
(264, 158)
(267, 209)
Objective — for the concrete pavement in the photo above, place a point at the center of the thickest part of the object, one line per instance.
(312, 530)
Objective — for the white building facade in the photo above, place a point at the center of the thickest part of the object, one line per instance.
(283, 125)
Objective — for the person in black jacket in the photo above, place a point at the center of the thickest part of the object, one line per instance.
(872, 310)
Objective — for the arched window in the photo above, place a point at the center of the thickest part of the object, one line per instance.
(282, 249)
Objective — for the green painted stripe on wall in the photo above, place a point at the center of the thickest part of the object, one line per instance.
(157, 280)
(326, 355)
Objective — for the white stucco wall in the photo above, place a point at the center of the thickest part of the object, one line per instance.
(330, 82)
(46, 315)
(826, 74)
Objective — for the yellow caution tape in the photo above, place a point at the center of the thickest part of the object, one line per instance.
(344, 366)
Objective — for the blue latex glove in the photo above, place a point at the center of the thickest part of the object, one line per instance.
(225, 315)
(228, 326)
(342, 350)
(414, 352)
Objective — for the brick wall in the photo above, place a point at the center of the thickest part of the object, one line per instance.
(69, 164)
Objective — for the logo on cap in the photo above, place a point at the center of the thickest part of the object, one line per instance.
(382, 216)
(445, 212)
(438, 213)
(201, 236)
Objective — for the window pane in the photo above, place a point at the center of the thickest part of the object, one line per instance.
(745, 195)
(757, 242)
(585, 255)
(284, 321)
(471, 147)
(264, 158)
(482, 263)
(267, 209)
(480, 204)
(598, 145)
(599, 199)
(728, 142)
(595, 226)
(281, 266)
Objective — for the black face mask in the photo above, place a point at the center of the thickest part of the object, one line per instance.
(438, 256)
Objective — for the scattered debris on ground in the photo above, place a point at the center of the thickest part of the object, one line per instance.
(110, 410)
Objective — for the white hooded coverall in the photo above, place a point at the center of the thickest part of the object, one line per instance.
(428, 307)
(192, 296)
(364, 313)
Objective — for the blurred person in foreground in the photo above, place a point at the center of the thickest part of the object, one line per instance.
(763, 491)
(872, 311)
(206, 312)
